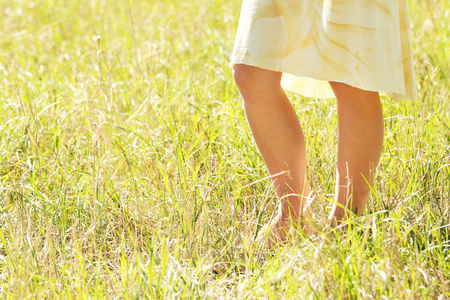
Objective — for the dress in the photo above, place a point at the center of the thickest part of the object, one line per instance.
(363, 43)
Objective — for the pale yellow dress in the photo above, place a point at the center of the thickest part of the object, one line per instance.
(364, 43)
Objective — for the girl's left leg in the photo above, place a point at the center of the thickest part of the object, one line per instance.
(361, 132)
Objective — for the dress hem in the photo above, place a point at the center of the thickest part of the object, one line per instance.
(395, 95)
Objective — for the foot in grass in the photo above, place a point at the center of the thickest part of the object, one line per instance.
(277, 232)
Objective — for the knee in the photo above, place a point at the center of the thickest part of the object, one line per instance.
(348, 94)
(251, 80)
(244, 76)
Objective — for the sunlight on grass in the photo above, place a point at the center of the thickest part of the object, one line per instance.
(128, 169)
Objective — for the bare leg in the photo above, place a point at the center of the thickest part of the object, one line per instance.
(361, 132)
(280, 140)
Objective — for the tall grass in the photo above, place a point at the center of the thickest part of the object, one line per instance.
(128, 170)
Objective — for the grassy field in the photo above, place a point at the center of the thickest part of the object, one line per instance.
(128, 170)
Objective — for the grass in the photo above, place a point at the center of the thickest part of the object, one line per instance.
(128, 170)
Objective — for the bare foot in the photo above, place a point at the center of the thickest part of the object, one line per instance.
(278, 231)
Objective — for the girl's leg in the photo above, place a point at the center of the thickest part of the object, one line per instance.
(279, 137)
(361, 132)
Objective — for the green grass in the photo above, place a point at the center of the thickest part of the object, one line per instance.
(128, 170)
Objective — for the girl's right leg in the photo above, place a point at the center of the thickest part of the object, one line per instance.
(279, 137)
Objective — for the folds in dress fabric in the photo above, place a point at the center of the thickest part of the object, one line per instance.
(364, 43)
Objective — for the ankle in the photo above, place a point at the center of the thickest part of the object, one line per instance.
(289, 215)
(295, 209)
(293, 218)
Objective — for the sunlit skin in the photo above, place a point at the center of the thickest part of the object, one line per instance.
(279, 137)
